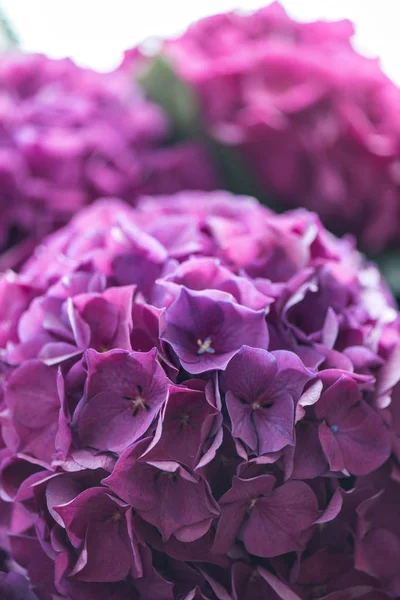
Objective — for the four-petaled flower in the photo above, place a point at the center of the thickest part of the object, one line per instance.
(261, 392)
(207, 329)
(269, 520)
(124, 393)
(353, 435)
(165, 494)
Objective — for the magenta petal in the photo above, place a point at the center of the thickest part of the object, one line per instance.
(108, 555)
(309, 457)
(336, 401)
(276, 522)
(80, 329)
(250, 373)
(242, 424)
(280, 588)
(377, 554)
(275, 424)
(203, 329)
(32, 394)
(248, 582)
(331, 448)
(292, 374)
(364, 440)
(32, 397)
(234, 505)
(166, 495)
(228, 526)
(261, 391)
(333, 509)
(186, 422)
(124, 394)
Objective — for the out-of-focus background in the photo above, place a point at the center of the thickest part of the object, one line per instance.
(95, 32)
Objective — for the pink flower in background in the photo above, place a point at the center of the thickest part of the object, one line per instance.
(69, 135)
(314, 123)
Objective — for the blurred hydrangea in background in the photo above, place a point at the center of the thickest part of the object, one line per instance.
(293, 111)
(70, 135)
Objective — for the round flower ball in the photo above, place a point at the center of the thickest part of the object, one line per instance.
(200, 401)
(315, 123)
(69, 135)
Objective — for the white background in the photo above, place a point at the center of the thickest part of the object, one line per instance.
(95, 32)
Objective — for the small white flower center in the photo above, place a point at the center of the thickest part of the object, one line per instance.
(205, 347)
(139, 402)
(116, 517)
(253, 502)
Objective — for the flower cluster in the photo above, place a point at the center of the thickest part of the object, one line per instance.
(199, 401)
(316, 123)
(69, 135)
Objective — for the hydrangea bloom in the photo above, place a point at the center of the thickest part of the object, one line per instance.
(70, 135)
(316, 123)
(200, 401)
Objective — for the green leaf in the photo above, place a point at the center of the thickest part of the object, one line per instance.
(389, 264)
(237, 176)
(165, 88)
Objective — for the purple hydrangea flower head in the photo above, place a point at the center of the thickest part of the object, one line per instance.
(198, 399)
(314, 122)
(70, 135)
